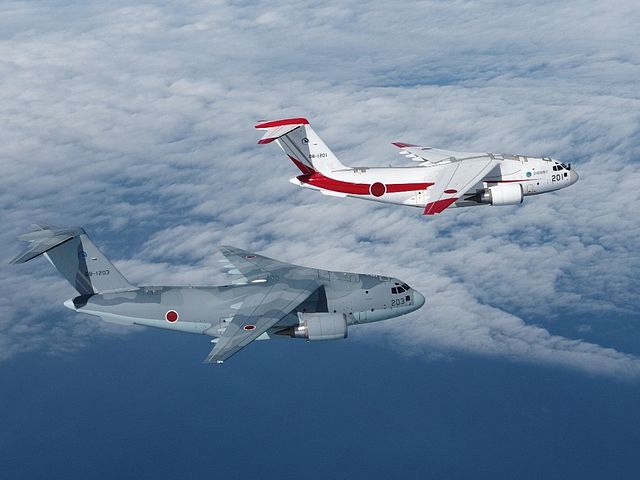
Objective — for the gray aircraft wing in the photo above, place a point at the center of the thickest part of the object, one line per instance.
(253, 267)
(280, 287)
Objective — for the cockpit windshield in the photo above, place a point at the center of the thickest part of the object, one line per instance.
(400, 288)
(560, 166)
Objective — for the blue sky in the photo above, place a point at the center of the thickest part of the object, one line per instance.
(135, 121)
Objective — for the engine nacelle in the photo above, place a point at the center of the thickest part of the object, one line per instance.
(321, 326)
(503, 194)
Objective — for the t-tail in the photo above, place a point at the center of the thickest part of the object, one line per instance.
(76, 257)
(301, 144)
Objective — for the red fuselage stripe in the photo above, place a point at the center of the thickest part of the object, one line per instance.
(407, 187)
(511, 181)
(318, 180)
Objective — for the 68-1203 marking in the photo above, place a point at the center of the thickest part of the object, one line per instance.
(97, 273)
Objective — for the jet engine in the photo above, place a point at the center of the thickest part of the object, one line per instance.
(320, 326)
(503, 194)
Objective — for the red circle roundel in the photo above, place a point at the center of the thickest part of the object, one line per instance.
(171, 316)
(249, 327)
(377, 189)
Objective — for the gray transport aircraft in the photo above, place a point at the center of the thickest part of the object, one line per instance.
(269, 299)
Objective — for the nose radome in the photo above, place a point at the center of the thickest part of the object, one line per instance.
(418, 299)
(573, 177)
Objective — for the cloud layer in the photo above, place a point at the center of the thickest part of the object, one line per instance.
(136, 122)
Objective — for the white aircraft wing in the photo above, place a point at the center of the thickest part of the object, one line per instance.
(454, 179)
(279, 288)
(418, 153)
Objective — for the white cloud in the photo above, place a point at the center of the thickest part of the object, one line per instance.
(136, 122)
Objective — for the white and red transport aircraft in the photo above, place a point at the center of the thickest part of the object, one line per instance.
(439, 179)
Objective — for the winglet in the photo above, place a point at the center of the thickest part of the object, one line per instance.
(403, 145)
(438, 206)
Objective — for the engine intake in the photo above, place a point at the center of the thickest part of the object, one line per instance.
(320, 326)
(503, 194)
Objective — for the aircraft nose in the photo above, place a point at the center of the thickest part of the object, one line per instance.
(573, 177)
(418, 299)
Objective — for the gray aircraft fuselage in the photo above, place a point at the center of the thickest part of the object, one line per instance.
(206, 309)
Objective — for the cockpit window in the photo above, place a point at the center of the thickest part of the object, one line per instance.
(400, 288)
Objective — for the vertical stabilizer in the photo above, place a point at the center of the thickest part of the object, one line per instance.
(302, 145)
(76, 257)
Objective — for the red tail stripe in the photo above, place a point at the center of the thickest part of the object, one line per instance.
(307, 170)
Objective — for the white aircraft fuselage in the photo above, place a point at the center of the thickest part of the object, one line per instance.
(438, 180)
(409, 185)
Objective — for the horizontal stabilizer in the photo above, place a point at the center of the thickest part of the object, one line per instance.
(278, 128)
(44, 239)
